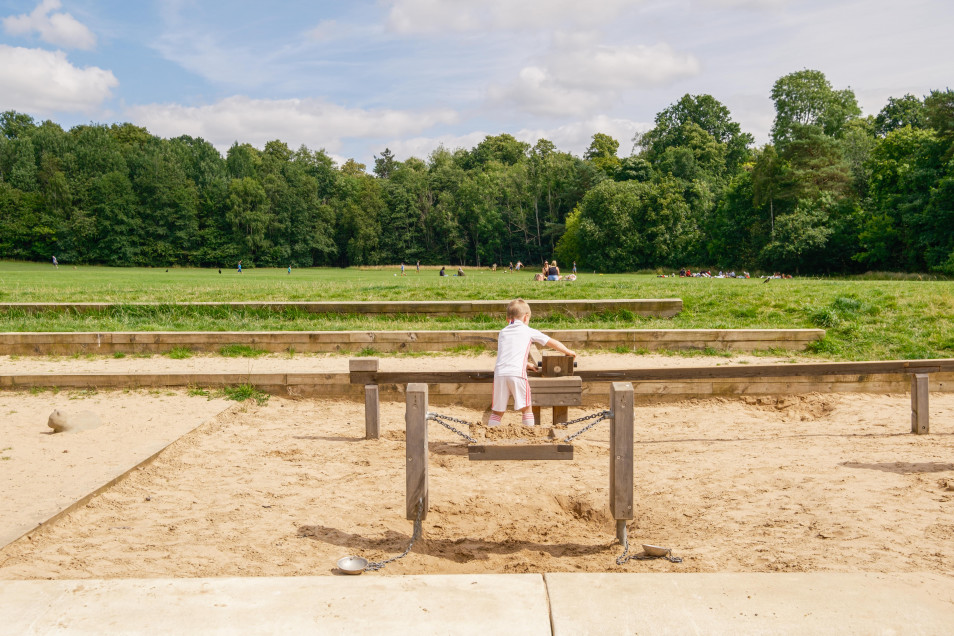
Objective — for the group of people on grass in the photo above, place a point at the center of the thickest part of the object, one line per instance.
(550, 270)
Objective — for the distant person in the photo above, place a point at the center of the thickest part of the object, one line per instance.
(418, 266)
(402, 269)
(511, 268)
(460, 271)
(574, 268)
(510, 370)
(493, 267)
(289, 269)
(56, 263)
(519, 266)
(240, 267)
(553, 272)
(443, 271)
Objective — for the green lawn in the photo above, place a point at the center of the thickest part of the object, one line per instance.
(865, 319)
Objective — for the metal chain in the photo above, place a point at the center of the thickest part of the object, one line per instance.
(443, 419)
(437, 417)
(415, 535)
(602, 415)
(623, 558)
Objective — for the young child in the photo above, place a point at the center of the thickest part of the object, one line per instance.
(510, 372)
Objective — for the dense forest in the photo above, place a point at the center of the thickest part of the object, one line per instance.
(832, 192)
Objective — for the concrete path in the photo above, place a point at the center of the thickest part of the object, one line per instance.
(488, 604)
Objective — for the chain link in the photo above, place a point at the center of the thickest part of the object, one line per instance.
(623, 558)
(602, 415)
(597, 417)
(415, 535)
(437, 417)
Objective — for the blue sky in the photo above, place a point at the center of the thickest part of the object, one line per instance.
(356, 77)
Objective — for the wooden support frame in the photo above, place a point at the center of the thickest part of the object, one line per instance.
(415, 421)
(920, 421)
(621, 455)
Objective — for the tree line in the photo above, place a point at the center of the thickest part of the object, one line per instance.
(832, 192)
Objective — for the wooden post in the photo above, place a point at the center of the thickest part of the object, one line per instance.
(537, 419)
(372, 398)
(415, 421)
(621, 454)
(919, 404)
(372, 412)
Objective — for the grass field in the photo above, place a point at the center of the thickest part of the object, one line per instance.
(864, 319)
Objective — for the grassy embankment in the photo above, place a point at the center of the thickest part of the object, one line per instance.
(864, 319)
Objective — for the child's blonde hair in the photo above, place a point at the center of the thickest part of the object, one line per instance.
(517, 309)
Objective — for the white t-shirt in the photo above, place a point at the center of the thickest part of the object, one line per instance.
(513, 347)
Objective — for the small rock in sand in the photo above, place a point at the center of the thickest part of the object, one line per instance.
(62, 422)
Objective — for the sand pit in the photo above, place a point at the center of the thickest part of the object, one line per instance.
(811, 483)
(42, 473)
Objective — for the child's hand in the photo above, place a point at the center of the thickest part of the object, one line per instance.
(531, 365)
(571, 352)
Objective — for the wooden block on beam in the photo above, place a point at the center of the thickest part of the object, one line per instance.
(920, 424)
(363, 364)
(557, 365)
(523, 452)
(415, 420)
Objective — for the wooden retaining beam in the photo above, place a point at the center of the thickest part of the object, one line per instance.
(107, 343)
(649, 307)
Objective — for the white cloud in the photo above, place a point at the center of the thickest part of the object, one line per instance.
(587, 64)
(41, 81)
(61, 29)
(439, 16)
(579, 74)
(743, 4)
(313, 122)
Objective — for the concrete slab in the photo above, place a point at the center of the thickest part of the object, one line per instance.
(454, 604)
(738, 603)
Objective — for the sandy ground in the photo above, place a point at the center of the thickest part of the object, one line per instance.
(332, 363)
(811, 483)
(42, 473)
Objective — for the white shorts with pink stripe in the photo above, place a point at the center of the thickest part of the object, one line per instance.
(507, 385)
